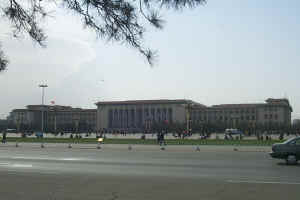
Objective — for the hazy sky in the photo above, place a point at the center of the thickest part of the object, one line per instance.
(229, 51)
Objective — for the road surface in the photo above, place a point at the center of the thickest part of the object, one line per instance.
(30, 172)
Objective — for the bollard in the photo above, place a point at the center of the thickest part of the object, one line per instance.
(162, 147)
(129, 147)
(17, 145)
(198, 148)
(42, 145)
(70, 146)
(98, 146)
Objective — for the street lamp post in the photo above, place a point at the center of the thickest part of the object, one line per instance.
(188, 118)
(43, 86)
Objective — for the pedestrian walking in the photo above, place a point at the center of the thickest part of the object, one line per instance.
(4, 137)
(162, 139)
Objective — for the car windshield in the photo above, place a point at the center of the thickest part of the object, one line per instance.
(289, 140)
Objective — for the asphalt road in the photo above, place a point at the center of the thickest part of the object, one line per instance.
(110, 174)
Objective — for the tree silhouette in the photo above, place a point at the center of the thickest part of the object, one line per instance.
(114, 20)
(3, 60)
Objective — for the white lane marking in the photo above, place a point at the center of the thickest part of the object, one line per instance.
(71, 159)
(32, 158)
(4, 164)
(21, 165)
(49, 158)
(264, 182)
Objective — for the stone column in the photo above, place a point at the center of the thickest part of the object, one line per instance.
(119, 118)
(115, 119)
(136, 117)
(126, 117)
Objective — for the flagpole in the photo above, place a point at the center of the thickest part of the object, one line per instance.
(54, 117)
(54, 120)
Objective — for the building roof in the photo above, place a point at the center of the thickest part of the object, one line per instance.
(19, 110)
(56, 108)
(77, 110)
(268, 102)
(277, 100)
(249, 105)
(155, 101)
(39, 107)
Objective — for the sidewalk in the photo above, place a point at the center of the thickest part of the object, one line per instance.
(139, 135)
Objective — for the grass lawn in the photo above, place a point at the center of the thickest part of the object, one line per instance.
(147, 141)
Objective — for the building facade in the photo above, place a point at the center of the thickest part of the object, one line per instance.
(273, 111)
(296, 122)
(141, 114)
(56, 118)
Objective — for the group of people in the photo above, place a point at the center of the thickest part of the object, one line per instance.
(77, 136)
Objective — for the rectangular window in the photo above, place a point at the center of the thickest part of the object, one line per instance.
(266, 116)
(253, 117)
(276, 116)
(247, 117)
(271, 116)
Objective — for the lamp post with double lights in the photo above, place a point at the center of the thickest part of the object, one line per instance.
(188, 107)
(43, 86)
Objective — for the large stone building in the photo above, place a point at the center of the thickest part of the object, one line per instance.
(273, 111)
(56, 118)
(140, 114)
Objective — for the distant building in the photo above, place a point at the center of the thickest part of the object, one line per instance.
(56, 118)
(272, 112)
(140, 114)
(296, 121)
(3, 124)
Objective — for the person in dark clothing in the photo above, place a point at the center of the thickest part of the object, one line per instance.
(281, 136)
(158, 138)
(162, 139)
(4, 137)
